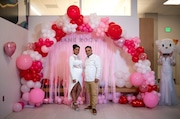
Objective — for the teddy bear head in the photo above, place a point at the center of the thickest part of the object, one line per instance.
(165, 46)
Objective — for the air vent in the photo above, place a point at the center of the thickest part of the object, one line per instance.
(51, 6)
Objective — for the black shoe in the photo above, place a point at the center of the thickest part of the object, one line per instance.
(94, 111)
(88, 107)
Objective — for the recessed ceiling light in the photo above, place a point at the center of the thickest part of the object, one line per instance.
(35, 11)
(172, 2)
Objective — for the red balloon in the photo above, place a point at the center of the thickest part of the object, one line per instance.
(54, 26)
(79, 21)
(73, 12)
(114, 31)
(140, 49)
(111, 23)
(150, 88)
(28, 76)
(72, 22)
(137, 103)
(143, 89)
(155, 87)
(135, 59)
(59, 34)
(123, 100)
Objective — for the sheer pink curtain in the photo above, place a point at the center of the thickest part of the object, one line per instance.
(57, 62)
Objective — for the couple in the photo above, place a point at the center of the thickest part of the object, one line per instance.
(92, 71)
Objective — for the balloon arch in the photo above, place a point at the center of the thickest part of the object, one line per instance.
(30, 63)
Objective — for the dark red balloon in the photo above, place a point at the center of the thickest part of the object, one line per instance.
(140, 49)
(123, 99)
(135, 59)
(150, 88)
(137, 103)
(54, 26)
(114, 31)
(79, 21)
(155, 87)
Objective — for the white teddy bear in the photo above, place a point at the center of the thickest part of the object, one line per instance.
(166, 48)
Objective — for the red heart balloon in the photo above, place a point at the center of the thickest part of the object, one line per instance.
(9, 48)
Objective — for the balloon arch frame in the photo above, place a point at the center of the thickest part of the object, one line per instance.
(30, 62)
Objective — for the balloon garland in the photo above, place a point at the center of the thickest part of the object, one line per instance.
(30, 63)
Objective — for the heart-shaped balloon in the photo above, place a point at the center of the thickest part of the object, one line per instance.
(9, 48)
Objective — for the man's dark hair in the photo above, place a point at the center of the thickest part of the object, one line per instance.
(88, 47)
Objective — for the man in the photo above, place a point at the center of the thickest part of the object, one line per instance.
(92, 76)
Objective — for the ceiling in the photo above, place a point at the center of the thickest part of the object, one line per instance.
(52, 7)
(156, 6)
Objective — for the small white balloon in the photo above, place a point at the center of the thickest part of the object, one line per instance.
(44, 49)
(30, 84)
(37, 84)
(24, 88)
(23, 81)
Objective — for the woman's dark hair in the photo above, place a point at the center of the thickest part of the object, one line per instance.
(75, 46)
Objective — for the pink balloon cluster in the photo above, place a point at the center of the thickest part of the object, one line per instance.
(58, 100)
(102, 27)
(102, 99)
(85, 28)
(149, 78)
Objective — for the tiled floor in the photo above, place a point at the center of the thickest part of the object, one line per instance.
(105, 111)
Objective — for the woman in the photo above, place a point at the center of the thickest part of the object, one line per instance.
(75, 82)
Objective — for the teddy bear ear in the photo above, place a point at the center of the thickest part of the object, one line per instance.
(158, 42)
(175, 41)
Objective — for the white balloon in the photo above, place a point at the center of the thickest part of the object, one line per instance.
(44, 49)
(128, 84)
(37, 84)
(120, 83)
(30, 84)
(25, 89)
(23, 81)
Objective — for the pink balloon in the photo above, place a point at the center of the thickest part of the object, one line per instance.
(25, 96)
(17, 107)
(9, 48)
(136, 79)
(36, 95)
(151, 100)
(30, 46)
(24, 62)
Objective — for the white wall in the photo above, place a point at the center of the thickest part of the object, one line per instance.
(9, 75)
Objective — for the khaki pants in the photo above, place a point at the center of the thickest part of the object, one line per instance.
(92, 90)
